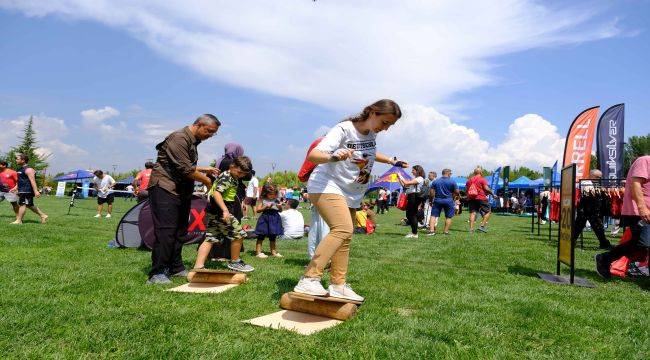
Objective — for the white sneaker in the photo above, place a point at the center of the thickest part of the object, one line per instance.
(616, 230)
(344, 292)
(310, 286)
(97, 216)
(108, 215)
(411, 236)
(277, 255)
(261, 255)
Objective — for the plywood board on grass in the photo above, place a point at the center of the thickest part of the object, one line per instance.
(301, 323)
(203, 288)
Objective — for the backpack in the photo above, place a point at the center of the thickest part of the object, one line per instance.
(424, 190)
(472, 190)
(307, 166)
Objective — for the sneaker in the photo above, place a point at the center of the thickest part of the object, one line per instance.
(310, 286)
(108, 216)
(97, 216)
(411, 236)
(159, 279)
(344, 292)
(261, 255)
(446, 232)
(482, 229)
(431, 233)
(616, 230)
(543, 222)
(182, 273)
(277, 255)
(240, 266)
(16, 222)
(602, 266)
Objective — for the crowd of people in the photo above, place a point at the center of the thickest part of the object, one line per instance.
(337, 169)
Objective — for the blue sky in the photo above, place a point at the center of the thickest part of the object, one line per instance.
(504, 99)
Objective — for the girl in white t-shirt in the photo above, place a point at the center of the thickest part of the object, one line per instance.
(336, 186)
(413, 199)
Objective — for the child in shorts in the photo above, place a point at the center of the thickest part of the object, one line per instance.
(221, 223)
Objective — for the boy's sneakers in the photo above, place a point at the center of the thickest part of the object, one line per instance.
(182, 273)
(344, 292)
(261, 255)
(310, 286)
(411, 236)
(602, 266)
(240, 266)
(482, 229)
(431, 233)
(159, 279)
(108, 216)
(97, 216)
(277, 255)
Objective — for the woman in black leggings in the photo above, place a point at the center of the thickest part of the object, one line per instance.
(414, 201)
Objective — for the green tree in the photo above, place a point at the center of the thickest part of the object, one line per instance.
(283, 178)
(516, 173)
(634, 147)
(28, 147)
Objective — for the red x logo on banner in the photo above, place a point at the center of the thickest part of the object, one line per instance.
(198, 220)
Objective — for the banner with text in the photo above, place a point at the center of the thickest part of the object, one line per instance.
(609, 142)
(579, 142)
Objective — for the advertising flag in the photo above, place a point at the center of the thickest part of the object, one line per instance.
(579, 141)
(609, 142)
(506, 179)
(555, 179)
(495, 179)
(548, 176)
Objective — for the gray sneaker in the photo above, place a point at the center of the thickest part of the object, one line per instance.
(240, 266)
(182, 273)
(159, 279)
(482, 229)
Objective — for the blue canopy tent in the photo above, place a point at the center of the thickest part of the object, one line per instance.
(388, 180)
(126, 181)
(74, 176)
(522, 183)
(460, 182)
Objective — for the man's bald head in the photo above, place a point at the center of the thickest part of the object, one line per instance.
(595, 174)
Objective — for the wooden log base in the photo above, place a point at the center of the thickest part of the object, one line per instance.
(334, 308)
(216, 276)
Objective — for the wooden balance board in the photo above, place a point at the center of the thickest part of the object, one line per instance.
(216, 276)
(331, 307)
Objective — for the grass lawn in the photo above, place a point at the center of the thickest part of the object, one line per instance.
(65, 294)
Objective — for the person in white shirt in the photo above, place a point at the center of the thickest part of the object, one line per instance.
(252, 193)
(336, 187)
(413, 190)
(104, 184)
(292, 221)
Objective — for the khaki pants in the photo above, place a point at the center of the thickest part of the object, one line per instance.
(336, 245)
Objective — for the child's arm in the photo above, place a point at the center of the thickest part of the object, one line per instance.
(260, 207)
(219, 200)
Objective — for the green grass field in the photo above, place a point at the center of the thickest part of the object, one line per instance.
(65, 294)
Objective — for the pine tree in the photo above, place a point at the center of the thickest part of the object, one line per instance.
(28, 147)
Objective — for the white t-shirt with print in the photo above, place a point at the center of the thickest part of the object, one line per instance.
(103, 185)
(350, 177)
(415, 187)
(250, 189)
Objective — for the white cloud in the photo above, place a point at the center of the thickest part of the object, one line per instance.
(341, 54)
(94, 116)
(426, 137)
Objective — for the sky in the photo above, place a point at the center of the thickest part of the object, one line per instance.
(479, 83)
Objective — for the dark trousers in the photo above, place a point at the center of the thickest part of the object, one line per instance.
(596, 225)
(170, 219)
(631, 246)
(382, 206)
(412, 205)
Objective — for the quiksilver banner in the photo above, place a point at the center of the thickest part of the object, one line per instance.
(579, 142)
(610, 142)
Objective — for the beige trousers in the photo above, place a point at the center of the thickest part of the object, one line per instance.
(336, 245)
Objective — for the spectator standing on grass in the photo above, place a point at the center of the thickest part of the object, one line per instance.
(344, 159)
(442, 192)
(170, 194)
(477, 190)
(413, 202)
(428, 203)
(9, 186)
(27, 190)
(293, 222)
(635, 214)
(104, 185)
(252, 193)
(141, 181)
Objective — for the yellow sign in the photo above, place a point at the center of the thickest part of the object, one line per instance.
(567, 191)
(393, 177)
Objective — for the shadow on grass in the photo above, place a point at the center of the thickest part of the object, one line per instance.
(643, 283)
(296, 261)
(284, 286)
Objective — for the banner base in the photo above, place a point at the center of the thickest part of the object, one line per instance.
(566, 280)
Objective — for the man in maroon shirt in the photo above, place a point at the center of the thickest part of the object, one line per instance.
(477, 188)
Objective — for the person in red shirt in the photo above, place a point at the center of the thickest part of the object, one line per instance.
(477, 188)
(141, 181)
(8, 188)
